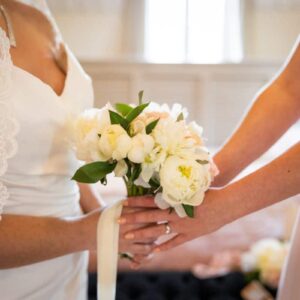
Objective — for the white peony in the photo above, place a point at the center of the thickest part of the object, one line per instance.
(248, 262)
(115, 143)
(174, 138)
(268, 257)
(141, 146)
(87, 128)
(270, 254)
(153, 162)
(184, 181)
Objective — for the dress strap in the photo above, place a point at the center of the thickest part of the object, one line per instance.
(10, 29)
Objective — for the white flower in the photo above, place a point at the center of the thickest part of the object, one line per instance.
(174, 138)
(184, 181)
(121, 168)
(248, 262)
(87, 128)
(174, 111)
(153, 162)
(268, 257)
(141, 146)
(115, 142)
(270, 254)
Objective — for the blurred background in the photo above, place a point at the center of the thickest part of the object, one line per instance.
(211, 56)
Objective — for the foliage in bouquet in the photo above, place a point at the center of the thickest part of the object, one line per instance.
(264, 261)
(153, 148)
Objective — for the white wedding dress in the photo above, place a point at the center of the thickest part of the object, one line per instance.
(36, 164)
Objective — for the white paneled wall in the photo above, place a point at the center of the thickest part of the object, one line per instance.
(215, 95)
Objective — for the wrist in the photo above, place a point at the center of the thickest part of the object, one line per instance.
(87, 229)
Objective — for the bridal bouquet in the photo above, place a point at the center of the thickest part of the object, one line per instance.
(153, 148)
(265, 260)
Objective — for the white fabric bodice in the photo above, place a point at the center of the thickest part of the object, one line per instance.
(36, 166)
(44, 153)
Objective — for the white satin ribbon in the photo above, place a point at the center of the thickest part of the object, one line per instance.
(107, 251)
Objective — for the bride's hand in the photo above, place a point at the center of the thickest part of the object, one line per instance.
(139, 248)
(209, 216)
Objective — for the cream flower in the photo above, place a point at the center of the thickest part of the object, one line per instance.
(153, 162)
(184, 181)
(268, 257)
(141, 146)
(115, 143)
(174, 138)
(87, 128)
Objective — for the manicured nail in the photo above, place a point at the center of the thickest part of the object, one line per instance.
(129, 236)
(156, 250)
(121, 221)
(125, 203)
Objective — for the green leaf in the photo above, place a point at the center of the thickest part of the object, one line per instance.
(151, 126)
(115, 118)
(126, 256)
(137, 169)
(94, 172)
(141, 95)
(202, 162)
(123, 108)
(128, 163)
(103, 181)
(136, 112)
(180, 117)
(154, 183)
(189, 210)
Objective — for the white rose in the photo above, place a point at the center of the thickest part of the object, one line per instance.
(87, 128)
(141, 146)
(115, 142)
(184, 181)
(121, 168)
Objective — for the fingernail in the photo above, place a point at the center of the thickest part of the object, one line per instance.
(129, 236)
(156, 250)
(125, 203)
(121, 220)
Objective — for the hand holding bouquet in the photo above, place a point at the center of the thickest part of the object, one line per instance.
(151, 147)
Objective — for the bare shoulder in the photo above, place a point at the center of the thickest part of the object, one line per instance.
(23, 13)
(3, 23)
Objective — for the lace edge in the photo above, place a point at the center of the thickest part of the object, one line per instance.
(8, 145)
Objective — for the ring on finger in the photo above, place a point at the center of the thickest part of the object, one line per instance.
(168, 229)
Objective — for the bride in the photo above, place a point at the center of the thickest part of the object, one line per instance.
(44, 235)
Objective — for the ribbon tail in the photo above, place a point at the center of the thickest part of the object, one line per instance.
(107, 251)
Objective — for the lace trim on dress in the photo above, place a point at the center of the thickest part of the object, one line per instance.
(9, 126)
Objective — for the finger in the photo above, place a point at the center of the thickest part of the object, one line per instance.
(140, 259)
(145, 233)
(148, 216)
(140, 201)
(172, 243)
(141, 249)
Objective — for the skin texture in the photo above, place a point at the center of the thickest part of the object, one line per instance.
(275, 109)
(25, 239)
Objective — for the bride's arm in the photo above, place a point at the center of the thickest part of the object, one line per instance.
(90, 198)
(26, 240)
(276, 108)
